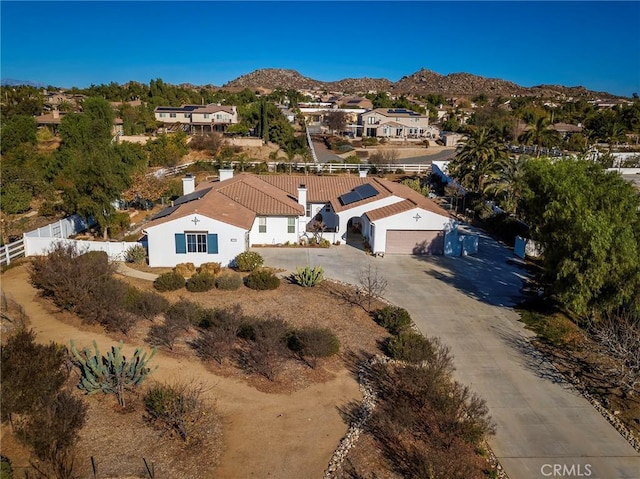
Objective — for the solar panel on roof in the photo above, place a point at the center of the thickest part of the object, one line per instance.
(196, 195)
(366, 191)
(361, 192)
(349, 198)
(165, 212)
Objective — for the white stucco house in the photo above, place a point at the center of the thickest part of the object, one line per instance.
(216, 220)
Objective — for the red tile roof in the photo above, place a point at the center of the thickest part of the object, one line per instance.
(240, 199)
(390, 210)
(327, 189)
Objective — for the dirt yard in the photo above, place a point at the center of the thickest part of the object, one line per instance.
(283, 429)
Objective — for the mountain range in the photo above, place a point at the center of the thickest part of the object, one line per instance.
(421, 82)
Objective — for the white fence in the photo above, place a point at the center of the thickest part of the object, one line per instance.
(61, 229)
(40, 241)
(41, 246)
(11, 251)
(420, 169)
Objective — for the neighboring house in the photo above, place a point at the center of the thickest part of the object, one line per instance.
(394, 123)
(220, 219)
(51, 120)
(354, 102)
(566, 129)
(197, 118)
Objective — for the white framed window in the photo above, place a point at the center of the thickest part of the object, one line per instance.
(196, 242)
(162, 115)
(262, 224)
(291, 224)
(371, 120)
(172, 115)
(207, 116)
(307, 212)
(187, 115)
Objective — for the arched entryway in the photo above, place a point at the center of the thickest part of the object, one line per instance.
(354, 233)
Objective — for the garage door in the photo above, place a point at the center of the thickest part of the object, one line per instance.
(415, 242)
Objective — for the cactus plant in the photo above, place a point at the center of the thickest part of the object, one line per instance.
(113, 374)
(307, 276)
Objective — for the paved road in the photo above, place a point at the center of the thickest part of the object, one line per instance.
(542, 421)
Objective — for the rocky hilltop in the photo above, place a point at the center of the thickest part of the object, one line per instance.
(419, 83)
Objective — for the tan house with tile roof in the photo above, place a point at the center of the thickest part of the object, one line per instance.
(394, 123)
(197, 118)
(217, 220)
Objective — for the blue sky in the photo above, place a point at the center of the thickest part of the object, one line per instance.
(593, 44)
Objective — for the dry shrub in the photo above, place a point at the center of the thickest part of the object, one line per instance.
(267, 350)
(181, 410)
(68, 275)
(31, 373)
(312, 343)
(184, 314)
(164, 334)
(426, 424)
(219, 333)
(211, 268)
(186, 270)
(169, 281)
(228, 281)
(55, 426)
(410, 346)
(262, 279)
(147, 304)
(201, 282)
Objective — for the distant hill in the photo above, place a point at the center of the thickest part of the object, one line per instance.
(421, 82)
(12, 82)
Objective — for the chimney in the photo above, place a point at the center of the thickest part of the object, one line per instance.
(362, 173)
(226, 174)
(188, 184)
(55, 113)
(302, 196)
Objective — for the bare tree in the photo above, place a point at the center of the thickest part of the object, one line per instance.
(620, 335)
(384, 157)
(372, 285)
(336, 120)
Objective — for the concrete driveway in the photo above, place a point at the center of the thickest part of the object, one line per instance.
(544, 427)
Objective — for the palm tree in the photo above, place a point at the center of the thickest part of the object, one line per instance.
(614, 133)
(539, 134)
(477, 159)
(506, 183)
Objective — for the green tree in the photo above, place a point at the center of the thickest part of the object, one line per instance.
(91, 181)
(20, 100)
(166, 150)
(586, 220)
(476, 159)
(539, 133)
(506, 184)
(17, 130)
(14, 199)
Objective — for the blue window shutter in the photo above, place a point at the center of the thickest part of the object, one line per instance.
(212, 244)
(181, 243)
